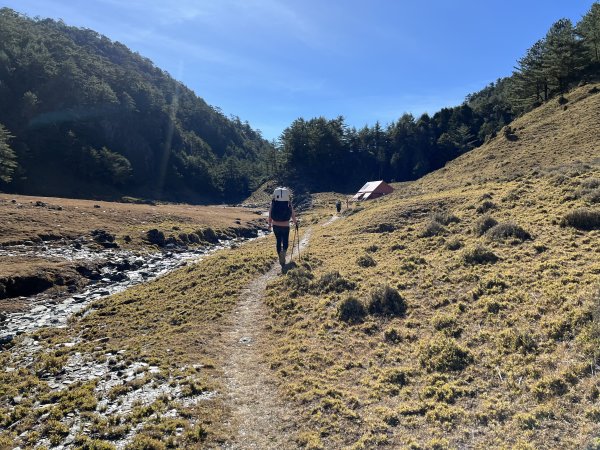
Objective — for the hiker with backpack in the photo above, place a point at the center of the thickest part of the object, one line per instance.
(338, 206)
(280, 214)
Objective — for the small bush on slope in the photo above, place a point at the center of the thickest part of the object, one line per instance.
(386, 301)
(486, 206)
(444, 218)
(332, 282)
(366, 261)
(443, 354)
(503, 231)
(484, 224)
(479, 255)
(582, 219)
(351, 310)
(433, 228)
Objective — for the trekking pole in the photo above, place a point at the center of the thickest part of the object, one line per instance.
(298, 233)
(293, 244)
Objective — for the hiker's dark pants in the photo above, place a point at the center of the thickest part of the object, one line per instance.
(283, 237)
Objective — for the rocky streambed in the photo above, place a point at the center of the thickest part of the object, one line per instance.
(108, 271)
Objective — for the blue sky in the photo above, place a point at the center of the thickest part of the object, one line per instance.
(272, 61)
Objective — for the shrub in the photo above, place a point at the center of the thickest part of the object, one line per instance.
(141, 442)
(444, 217)
(440, 390)
(85, 443)
(479, 255)
(366, 261)
(332, 282)
(443, 354)
(591, 183)
(593, 196)
(398, 377)
(507, 230)
(521, 341)
(392, 336)
(582, 219)
(433, 228)
(526, 421)
(55, 431)
(386, 301)
(351, 310)
(372, 248)
(381, 228)
(485, 223)
(447, 325)
(549, 387)
(298, 279)
(486, 206)
(454, 244)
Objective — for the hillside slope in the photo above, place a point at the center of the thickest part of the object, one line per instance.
(91, 118)
(556, 134)
(487, 336)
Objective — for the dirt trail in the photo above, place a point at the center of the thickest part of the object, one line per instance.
(262, 420)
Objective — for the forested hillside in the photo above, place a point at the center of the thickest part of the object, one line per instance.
(329, 155)
(84, 116)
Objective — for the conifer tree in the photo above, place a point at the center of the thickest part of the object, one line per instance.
(563, 57)
(589, 30)
(530, 81)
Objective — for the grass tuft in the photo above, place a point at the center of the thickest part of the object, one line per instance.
(503, 231)
(479, 255)
(366, 261)
(484, 224)
(351, 310)
(486, 206)
(443, 354)
(332, 282)
(433, 228)
(386, 301)
(583, 219)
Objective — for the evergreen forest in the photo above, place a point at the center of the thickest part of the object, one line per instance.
(84, 116)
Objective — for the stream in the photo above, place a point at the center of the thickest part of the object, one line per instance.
(122, 270)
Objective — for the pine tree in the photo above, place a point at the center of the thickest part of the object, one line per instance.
(563, 57)
(589, 31)
(530, 81)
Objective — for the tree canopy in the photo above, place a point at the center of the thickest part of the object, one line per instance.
(90, 117)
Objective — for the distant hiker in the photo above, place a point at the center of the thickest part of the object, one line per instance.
(338, 206)
(347, 203)
(280, 213)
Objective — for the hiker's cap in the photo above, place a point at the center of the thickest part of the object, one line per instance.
(281, 194)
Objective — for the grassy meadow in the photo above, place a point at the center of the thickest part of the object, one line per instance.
(461, 311)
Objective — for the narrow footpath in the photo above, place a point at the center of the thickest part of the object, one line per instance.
(262, 419)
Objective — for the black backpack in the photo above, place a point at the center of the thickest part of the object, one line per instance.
(281, 211)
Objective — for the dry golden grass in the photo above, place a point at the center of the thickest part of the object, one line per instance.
(489, 354)
(551, 137)
(173, 323)
(38, 219)
(24, 221)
